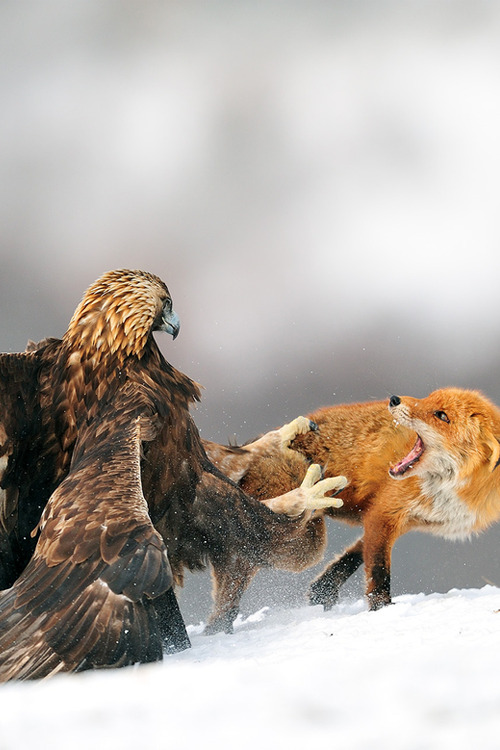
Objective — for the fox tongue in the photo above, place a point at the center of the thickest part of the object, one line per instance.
(407, 462)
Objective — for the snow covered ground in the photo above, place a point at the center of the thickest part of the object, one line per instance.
(421, 674)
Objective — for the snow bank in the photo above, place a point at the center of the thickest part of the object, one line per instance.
(421, 674)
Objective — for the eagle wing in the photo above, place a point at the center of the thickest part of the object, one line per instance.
(18, 383)
(98, 589)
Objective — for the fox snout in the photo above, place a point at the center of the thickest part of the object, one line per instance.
(399, 410)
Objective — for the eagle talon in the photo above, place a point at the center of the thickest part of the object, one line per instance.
(311, 495)
(316, 489)
(298, 426)
(313, 475)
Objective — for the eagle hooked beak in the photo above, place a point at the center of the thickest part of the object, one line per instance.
(170, 323)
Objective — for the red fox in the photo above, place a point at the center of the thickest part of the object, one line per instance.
(426, 464)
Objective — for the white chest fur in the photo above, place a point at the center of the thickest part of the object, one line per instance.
(443, 513)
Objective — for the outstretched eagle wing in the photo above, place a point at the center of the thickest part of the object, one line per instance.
(98, 590)
(18, 455)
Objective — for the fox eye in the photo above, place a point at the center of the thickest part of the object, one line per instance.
(442, 415)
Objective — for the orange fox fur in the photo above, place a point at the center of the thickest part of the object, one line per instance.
(414, 464)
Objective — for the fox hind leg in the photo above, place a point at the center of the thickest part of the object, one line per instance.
(230, 581)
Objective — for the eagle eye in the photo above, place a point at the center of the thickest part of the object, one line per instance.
(442, 415)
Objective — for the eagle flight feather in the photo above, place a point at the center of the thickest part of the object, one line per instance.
(106, 491)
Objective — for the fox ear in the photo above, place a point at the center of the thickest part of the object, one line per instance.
(494, 446)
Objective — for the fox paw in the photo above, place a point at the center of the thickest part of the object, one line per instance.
(320, 593)
(298, 426)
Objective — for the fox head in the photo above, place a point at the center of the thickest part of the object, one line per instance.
(456, 433)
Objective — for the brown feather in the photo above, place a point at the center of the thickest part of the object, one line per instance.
(96, 542)
(103, 447)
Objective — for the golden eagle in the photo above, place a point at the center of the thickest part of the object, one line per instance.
(104, 470)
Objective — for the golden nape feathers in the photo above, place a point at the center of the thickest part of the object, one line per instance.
(99, 439)
(92, 585)
(118, 313)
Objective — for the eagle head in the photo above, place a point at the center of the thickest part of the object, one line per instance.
(118, 314)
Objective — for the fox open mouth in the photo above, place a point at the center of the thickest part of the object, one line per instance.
(408, 461)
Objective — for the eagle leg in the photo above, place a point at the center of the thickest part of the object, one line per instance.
(310, 496)
(298, 426)
(170, 623)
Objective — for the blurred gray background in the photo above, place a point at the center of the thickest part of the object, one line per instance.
(317, 183)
